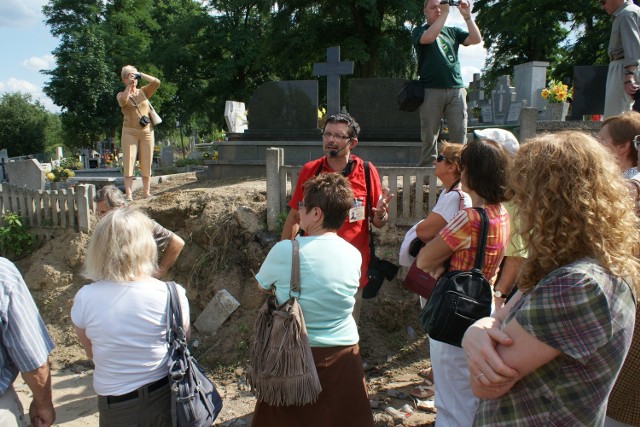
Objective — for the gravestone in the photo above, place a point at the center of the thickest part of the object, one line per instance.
(513, 114)
(59, 154)
(27, 173)
(4, 158)
(166, 156)
(503, 95)
(333, 69)
(589, 89)
(529, 79)
(284, 110)
(235, 115)
(487, 114)
(372, 102)
(85, 156)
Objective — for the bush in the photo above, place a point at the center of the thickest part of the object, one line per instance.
(73, 164)
(15, 239)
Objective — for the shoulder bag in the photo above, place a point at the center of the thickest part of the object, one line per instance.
(459, 298)
(282, 370)
(411, 96)
(416, 280)
(195, 402)
(153, 115)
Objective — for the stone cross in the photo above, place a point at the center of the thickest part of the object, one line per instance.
(333, 69)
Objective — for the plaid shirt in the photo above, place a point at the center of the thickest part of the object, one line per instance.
(461, 235)
(587, 314)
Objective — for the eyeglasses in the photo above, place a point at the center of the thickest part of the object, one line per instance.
(636, 142)
(441, 158)
(335, 136)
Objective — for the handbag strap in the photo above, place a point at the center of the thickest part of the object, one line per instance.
(482, 239)
(175, 330)
(295, 269)
(367, 178)
(135, 104)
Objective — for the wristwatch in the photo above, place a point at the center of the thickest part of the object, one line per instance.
(498, 294)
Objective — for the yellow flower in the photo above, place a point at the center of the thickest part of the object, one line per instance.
(556, 92)
(51, 176)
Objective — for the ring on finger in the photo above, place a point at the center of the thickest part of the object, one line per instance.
(480, 375)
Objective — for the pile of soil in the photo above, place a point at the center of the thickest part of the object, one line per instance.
(223, 225)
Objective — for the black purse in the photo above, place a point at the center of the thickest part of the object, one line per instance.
(459, 297)
(411, 96)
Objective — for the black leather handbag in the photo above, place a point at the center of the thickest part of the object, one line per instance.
(459, 297)
(411, 96)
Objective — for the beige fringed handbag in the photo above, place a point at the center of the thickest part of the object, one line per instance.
(282, 371)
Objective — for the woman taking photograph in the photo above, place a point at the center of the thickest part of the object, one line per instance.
(137, 138)
(329, 279)
(121, 322)
(484, 166)
(552, 354)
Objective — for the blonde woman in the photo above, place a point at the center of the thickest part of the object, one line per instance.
(120, 320)
(551, 355)
(137, 138)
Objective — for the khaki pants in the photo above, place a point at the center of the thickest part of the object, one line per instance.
(137, 143)
(450, 104)
(11, 414)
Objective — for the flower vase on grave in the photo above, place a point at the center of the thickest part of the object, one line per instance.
(557, 111)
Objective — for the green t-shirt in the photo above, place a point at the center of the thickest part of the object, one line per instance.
(438, 64)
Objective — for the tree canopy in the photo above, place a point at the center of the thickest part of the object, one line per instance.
(206, 52)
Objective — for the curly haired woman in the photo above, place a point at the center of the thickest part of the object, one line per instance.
(551, 355)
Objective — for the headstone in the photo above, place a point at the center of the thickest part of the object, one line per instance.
(529, 79)
(59, 153)
(85, 155)
(333, 69)
(487, 114)
(589, 89)
(4, 158)
(216, 312)
(372, 102)
(284, 110)
(476, 90)
(501, 98)
(235, 115)
(513, 114)
(27, 173)
(166, 156)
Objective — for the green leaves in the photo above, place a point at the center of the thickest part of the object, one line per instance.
(15, 239)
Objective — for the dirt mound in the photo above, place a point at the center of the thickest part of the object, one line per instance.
(223, 225)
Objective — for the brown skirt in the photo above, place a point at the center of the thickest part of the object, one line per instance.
(343, 401)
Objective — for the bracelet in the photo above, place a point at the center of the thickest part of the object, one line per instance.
(468, 18)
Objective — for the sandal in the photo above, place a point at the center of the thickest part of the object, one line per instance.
(426, 373)
(423, 391)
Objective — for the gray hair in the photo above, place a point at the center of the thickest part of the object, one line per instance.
(112, 196)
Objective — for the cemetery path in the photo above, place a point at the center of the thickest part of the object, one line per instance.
(220, 253)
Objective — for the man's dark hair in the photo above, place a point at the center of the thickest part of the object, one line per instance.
(485, 164)
(354, 127)
(331, 192)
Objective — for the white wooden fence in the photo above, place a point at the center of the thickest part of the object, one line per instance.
(50, 210)
(409, 184)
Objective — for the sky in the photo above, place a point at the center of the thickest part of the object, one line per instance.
(26, 45)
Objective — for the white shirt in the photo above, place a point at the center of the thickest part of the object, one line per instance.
(126, 324)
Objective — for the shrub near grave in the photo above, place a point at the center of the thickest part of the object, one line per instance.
(15, 239)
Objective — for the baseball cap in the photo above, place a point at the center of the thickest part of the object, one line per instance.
(501, 136)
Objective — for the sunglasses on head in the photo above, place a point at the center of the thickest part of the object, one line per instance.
(636, 142)
(441, 158)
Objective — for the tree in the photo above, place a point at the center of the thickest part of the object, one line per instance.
(562, 33)
(25, 125)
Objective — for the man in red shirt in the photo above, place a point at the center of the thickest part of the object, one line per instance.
(339, 137)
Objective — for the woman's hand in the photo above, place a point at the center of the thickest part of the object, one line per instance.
(485, 365)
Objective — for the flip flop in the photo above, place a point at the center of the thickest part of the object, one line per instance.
(423, 391)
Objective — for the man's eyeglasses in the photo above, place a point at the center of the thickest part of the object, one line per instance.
(636, 142)
(335, 136)
(440, 158)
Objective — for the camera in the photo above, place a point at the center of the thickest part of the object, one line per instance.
(451, 2)
(138, 76)
(144, 120)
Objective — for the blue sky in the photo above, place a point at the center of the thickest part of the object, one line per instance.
(26, 45)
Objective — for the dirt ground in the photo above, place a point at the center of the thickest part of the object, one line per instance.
(223, 225)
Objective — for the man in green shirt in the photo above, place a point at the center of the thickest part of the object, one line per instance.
(439, 69)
